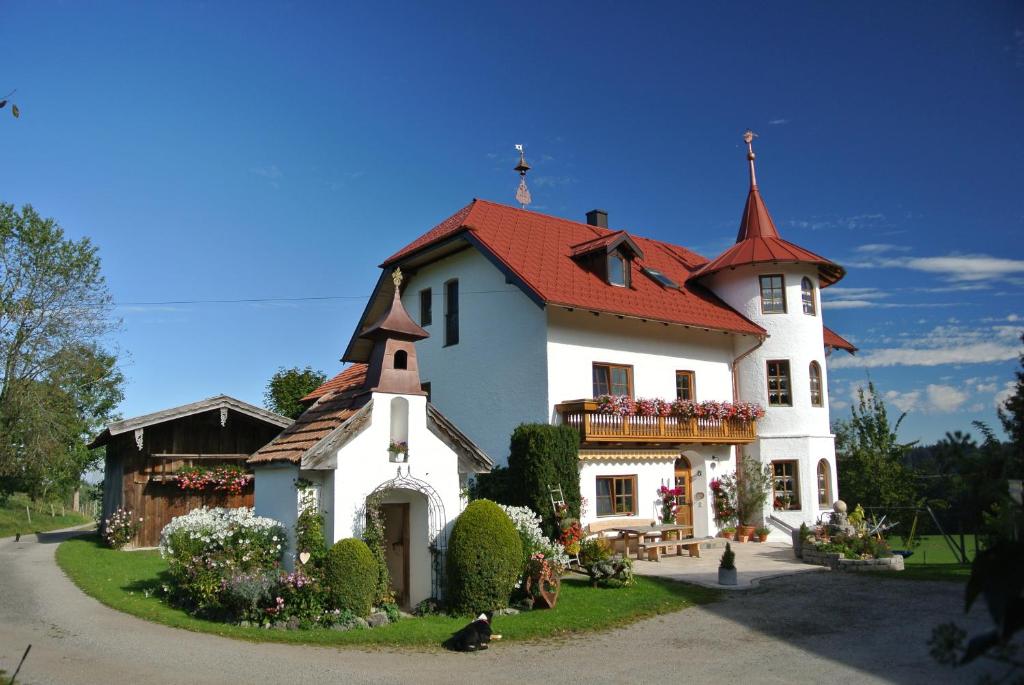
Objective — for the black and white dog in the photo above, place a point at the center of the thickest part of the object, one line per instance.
(475, 636)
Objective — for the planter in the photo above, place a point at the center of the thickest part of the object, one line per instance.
(748, 531)
(545, 596)
(798, 545)
(742, 538)
(727, 576)
(762, 538)
(728, 535)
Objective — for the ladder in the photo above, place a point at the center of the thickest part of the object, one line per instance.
(557, 506)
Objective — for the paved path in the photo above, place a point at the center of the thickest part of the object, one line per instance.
(755, 561)
(811, 627)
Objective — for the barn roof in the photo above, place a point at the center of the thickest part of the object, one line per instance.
(209, 404)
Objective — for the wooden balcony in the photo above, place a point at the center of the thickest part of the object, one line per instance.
(598, 428)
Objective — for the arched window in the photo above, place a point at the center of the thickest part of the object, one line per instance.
(824, 484)
(399, 420)
(401, 359)
(807, 295)
(815, 374)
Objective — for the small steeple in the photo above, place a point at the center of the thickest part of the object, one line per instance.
(756, 221)
(522, 193)
(392, 366)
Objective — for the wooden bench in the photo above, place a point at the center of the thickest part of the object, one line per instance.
(656, 548)
(602, 528)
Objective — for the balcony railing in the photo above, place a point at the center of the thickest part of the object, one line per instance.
(595, 427)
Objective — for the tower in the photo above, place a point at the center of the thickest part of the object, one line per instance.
(392, 366)
(777, 284)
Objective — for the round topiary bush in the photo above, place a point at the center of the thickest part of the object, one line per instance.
(350, 576)
(485, 558)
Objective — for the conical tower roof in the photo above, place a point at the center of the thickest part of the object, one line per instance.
(396, 322)
(758, 240)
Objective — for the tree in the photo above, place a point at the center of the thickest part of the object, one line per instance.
(286, 387)
(57, 383)
(870, 459)
(1011, 414)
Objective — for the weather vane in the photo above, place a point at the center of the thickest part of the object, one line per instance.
(748, 138)
(522, 193)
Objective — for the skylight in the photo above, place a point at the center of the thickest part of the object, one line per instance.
(661, 278)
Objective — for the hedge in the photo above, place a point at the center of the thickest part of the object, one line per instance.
(542, 456)
(485, 559)
(350, 575)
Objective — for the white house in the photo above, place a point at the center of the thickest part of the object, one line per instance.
(338, 452)
(535, 316)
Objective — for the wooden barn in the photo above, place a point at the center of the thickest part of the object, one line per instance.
(145, 453)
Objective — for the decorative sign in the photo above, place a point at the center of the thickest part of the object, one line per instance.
(303, 557)
(698, 495)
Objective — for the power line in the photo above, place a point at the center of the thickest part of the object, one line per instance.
(254, 300)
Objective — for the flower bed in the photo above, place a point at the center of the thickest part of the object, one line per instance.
(623, 405)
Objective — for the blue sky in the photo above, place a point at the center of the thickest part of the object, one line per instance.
(219, 151)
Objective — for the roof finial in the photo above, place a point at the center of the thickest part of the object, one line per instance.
(396, 276)
(748, 138)
(522, 193)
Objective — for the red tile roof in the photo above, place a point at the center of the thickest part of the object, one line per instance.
(352, 377)
(332, 410)
(758, 241)
(833, 339)
(538, 249)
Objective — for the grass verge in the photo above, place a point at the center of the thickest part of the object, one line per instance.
(13, 518)
(126, 581)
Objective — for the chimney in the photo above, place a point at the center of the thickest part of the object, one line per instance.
(597, 217)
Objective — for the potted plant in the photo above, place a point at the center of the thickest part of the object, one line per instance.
(729, 533)
(762, 534)
(751, 495)
(399, 450)
(727, 567)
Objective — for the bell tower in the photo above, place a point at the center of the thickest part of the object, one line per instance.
(392, 366)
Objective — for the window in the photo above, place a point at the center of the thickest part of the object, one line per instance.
(778, 384)
(451, 313)
(610, 379)
(686, 389)
(785, 485)
(807, 295)
(401, 359)
(616, 495)
(426, 307)
(425, 387)
(824, 484)
(660, 278)
(773, 294)
(618, 269)
(815, 374)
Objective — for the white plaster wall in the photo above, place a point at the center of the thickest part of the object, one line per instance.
(494, 378)
(576, 339)
(651, 475)
(794, 335)
(364, 464)
(276, 498)
(807, 451)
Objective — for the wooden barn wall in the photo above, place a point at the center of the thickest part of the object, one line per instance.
(148, 486)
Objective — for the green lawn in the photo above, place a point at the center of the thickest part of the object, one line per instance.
(932, 560)
(125, 581)
(14, 520)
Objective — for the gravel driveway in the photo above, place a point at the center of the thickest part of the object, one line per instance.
(811, 627)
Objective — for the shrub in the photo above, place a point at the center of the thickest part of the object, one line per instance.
(309, 536)
(245, 596)
(373, 536)
(350, 576)
(598, 561)
(728, 560)
(542, 456)
(485, 559)
(527, 525)
(205, 547)
(121, 528)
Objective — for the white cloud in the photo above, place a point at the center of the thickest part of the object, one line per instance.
(779, 122)
(879, 248)
(270, 172)
(986, 387)
(945, 398)
(953, 267)
(841, 292)
(904, 401)
(979, 353)
(854, 222)
(1000, 399)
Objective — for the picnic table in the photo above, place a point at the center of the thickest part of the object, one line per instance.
(645, 535)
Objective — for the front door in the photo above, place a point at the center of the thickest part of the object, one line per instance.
(684, 502)
(396, 549)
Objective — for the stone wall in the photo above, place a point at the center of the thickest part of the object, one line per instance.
(834, 561)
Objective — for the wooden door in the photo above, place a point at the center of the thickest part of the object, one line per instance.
(684, 503)
(396, 549)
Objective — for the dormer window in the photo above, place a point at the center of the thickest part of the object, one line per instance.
(618, 270)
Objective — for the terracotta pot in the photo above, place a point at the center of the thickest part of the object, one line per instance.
(746, 530)
(762, 538)
(742, 538)
(727, 535)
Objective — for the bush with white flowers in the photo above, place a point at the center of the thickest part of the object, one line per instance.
(534, 541)
(205, 547)
(121, 528)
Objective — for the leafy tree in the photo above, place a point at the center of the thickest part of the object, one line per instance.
(286, 387)
(870, 458)
(57, 383)
(1011, 414)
